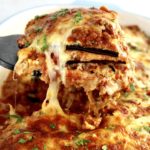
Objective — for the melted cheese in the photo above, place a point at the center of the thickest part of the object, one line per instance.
(56, 72)
(51, 104)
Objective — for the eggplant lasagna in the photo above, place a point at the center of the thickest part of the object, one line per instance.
(81, 82)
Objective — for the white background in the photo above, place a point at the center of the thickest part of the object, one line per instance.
(11, 7)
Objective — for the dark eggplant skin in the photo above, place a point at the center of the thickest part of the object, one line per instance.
(91, 50)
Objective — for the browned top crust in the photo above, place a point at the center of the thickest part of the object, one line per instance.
(95, 28)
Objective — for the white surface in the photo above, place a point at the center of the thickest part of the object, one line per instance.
(11, 7)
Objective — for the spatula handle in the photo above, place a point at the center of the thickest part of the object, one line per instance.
(8, 51)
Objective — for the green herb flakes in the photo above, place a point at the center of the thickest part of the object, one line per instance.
(38, 17)
(26, 44)
(52, 126)
(61, 12)
(38, 29)
(17, 117)
(35, 148)
(78, 17)
(104, 147)
(145, 97)
(26, 132)
(113, 20)
(146, 88)
(44, 147)
(111, 127)
(53, 17)
(22, 141)
(44, 43)
(30, 138)
(147, 128)
(16, 131)
(132, 88)
(82, 142)
(138, 129)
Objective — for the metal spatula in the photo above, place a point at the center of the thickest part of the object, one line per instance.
(8, 51)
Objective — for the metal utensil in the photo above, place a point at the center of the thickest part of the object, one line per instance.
(8, 51)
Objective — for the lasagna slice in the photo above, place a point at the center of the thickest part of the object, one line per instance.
(75, 36)
(78, 34)
(79, 49)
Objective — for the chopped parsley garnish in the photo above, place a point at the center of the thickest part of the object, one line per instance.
(44, 147)
(38, 29)
(44, 42)
(35, 148)
(38, 17)
(16, 131)
(26, 44)
(132, 88)
(82, 142)
(61, 12)
(145, 97)
(22, 141)
(104, 147)
(112, 20)
(52, 126)
(111, 127)
(146, 88)
(30, 138)
(147, 128)
(53, 17)
(138, 129)
(78, 17)
(26, 132)
(17, 117)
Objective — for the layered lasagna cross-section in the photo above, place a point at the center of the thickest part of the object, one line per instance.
(79, 49)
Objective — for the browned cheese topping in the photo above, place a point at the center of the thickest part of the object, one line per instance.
(82, 84)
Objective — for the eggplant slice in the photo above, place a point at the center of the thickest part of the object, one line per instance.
(92, 50)
(70, 62)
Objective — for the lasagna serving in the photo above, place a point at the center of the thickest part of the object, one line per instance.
(81, 82)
